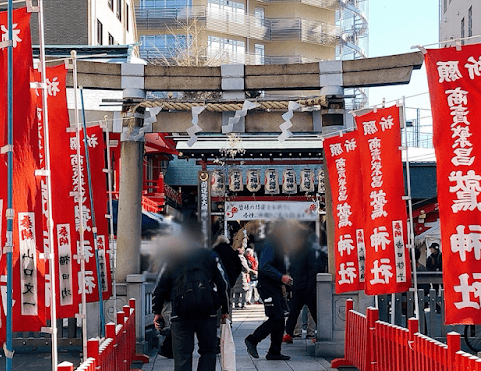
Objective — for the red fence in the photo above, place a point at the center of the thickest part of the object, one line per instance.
(116, 351)
(373, 345)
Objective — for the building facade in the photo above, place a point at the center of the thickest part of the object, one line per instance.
(249, 31)
(459, 19)
(87, 22)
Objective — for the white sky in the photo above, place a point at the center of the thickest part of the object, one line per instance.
(395, 26)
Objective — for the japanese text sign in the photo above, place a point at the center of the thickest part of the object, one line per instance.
(342, 159)
(388, 267)
(454, 78)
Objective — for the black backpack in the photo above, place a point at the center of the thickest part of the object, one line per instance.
(193, 293)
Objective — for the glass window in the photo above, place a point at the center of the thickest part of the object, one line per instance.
(462, 31)
(470, 21)
(229, 50)
(157, 46)
(127, 17)
(100, 32)
(259, 15)
(119, 10)
(111, 4)
(259, 54)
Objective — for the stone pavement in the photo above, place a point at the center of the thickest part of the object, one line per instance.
(244, 321)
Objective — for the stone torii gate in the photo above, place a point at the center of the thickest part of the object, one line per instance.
(235, 82)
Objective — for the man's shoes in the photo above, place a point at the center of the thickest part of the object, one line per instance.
(165, 353)
(287, 339)
(277, 357)
(251, 347)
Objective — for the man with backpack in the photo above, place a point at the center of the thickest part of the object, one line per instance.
(194, 282)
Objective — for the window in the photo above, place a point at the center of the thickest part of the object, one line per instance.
(163, 4)
(470, 21)
(230, 11)
(462, 31)
(111, 4)
(259, 54)
(229, 50)
(157, 46)
(127, 17)
(111, 39)
(119, 10)
(445, 7)
(259, 15)
(100, 32)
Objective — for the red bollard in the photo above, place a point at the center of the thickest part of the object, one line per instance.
(372, 316)
(93, 349)
(65, 366)
(454, 344)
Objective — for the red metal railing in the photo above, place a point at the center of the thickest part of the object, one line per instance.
(116, 351)
(373, 345)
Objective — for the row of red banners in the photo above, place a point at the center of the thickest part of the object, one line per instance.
(368, 208)
(31, 278)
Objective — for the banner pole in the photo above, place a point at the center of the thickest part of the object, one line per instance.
(50, 223)
(10, 211)
(81, 250)
(410, 208)
(112, 240)
(94, 224)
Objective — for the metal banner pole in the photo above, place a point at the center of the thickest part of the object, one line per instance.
(50, 223)
(10, 212)
(112, 240)
(81, 250)
(410, 207)
(94, 224)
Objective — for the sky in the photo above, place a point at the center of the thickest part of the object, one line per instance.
(395, 26)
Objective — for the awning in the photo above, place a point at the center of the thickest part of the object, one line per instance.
(430, 236)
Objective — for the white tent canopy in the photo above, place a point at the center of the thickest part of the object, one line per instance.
(430, 236)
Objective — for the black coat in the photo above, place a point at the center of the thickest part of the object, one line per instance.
(172, 270)
(231, 261)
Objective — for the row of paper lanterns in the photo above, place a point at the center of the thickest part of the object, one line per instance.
(272, 183)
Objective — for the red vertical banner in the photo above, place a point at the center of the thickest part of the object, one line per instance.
(454, 78)
(97, 147)
(63, 206)
(388, 268)
(342, 158)
(28, 270)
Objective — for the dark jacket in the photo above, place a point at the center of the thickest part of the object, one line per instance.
(303, 268)
(271, 264)
(172, 270)
(434, 262)
(230, 259)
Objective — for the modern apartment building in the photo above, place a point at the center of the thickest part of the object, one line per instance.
(459, 19)
(87, 22)
(251, 31)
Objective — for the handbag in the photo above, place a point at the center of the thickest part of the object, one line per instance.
(227, 348)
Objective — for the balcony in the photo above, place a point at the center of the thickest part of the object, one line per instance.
(323, 4)
(303, 30)
(242, 25)
(222, 57)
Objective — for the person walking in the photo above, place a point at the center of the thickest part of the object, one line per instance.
(252, 294)
(194, 282)
(272, 276)
(303, 270)
(241, 285)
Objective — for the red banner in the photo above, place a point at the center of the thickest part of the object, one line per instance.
(342, 159)
(64, 233)
(28, 269)
(454, 78)
(388, 268)
(97, 149)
